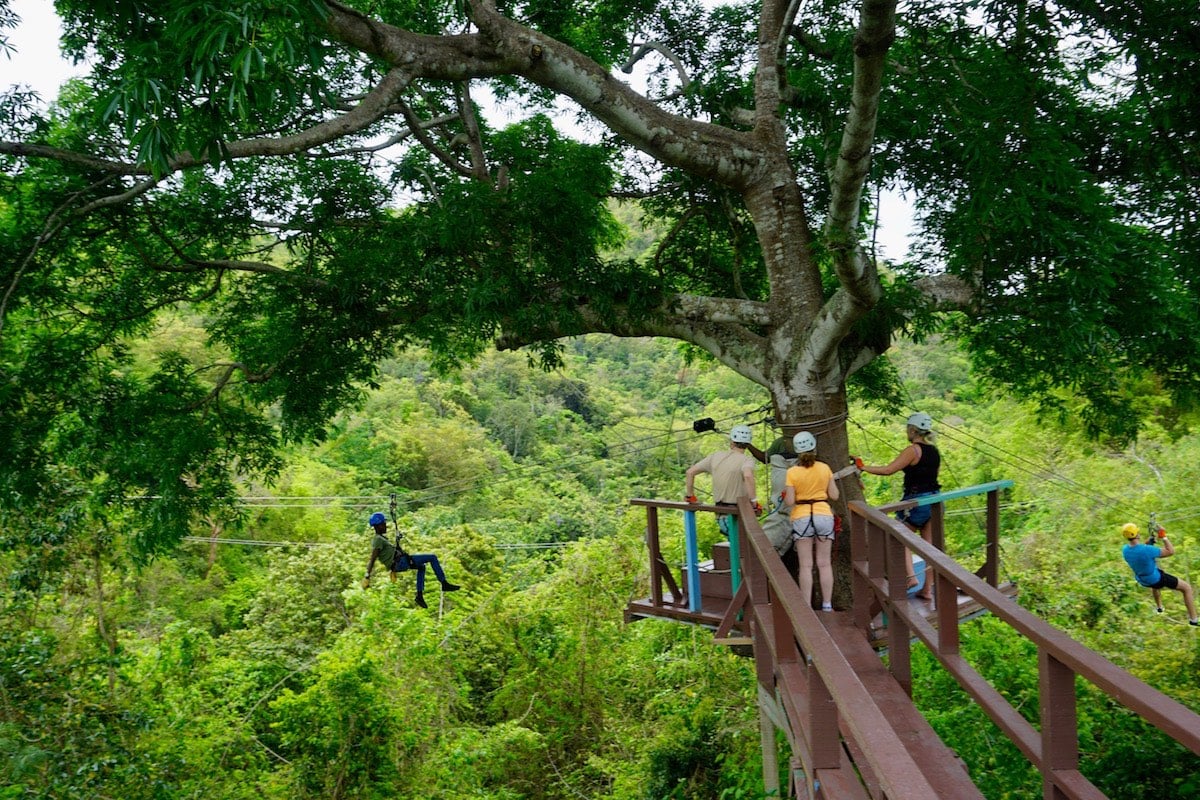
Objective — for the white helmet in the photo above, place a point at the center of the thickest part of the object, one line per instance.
(741, 434)
(922, 422)
(804, 442)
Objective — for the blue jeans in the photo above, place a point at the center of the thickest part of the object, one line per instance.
(418, 561)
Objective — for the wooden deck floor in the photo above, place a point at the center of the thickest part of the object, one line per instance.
(968, 608)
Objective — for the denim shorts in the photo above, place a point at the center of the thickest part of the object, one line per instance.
(916, 516)
(813, 525)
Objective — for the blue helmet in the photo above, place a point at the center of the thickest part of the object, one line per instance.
(377, 519)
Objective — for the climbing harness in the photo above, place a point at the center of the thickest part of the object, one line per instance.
(812, 524)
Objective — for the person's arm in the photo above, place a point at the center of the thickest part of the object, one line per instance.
(1165, 548)
(748, 479)
(906, 458)
(370, 567)
(759, 455)
(789, 496)
(832, 491)
(689, 482)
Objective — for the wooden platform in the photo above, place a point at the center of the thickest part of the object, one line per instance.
(938, 762)
(716, 593)
(968, 608)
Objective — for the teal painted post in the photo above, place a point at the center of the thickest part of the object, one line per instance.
(692, 555)
(735, 554)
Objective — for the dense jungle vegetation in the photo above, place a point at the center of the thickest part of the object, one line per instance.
(258, 667)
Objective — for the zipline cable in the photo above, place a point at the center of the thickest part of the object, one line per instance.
(277, 543)
(452, 488)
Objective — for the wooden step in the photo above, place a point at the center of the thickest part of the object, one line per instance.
(720, 555)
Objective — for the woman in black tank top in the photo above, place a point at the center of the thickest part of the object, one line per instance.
(920, 462)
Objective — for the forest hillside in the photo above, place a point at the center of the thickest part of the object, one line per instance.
(250, 662)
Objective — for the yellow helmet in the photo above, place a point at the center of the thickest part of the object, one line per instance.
(1129, 530)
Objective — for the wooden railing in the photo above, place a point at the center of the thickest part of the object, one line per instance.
(877, 552)
(807, 685)
(849, 720)
(990, 571)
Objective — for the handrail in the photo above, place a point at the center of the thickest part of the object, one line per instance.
(990, 571)
(877, 551)
(952, 494)
(768, 580)
(808, 686)
(822, 693)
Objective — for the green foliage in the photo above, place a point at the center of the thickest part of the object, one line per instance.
(1023, 204)
(349, 708)
(215, 68)
(143, 670)
(271, 673)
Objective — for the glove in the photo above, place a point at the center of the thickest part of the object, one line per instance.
(858, 462)
(366, 582)
(1161, 533)
(758, 509)
(691, 498)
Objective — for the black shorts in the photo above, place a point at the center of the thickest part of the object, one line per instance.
(1165, 581)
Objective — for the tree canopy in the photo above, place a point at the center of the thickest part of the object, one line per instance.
(317, 183)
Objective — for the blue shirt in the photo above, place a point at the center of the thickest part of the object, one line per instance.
(1141, 558)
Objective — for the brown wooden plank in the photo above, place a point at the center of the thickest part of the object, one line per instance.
(1076, 787)
(940, 765)
(968, 607)
(839, 784)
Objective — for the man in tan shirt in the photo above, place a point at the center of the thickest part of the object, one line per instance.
(732, 471)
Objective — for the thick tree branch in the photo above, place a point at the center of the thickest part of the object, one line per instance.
(726, 156)
(769, 74)
(719, 325)
(106, 165)
(723, 310)
(374, 106)
(876, 31)
(860, 288)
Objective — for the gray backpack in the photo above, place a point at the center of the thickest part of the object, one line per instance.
(777, 524)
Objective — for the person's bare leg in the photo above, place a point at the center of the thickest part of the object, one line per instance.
(1158, 606)
(926, 592)
(1189, 598)
(804, 552)
(825, 569)
(911, 574)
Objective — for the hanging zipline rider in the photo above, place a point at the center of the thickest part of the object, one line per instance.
(1143, 560)
(398, 560)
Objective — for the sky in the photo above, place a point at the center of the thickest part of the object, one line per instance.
(36, 63)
